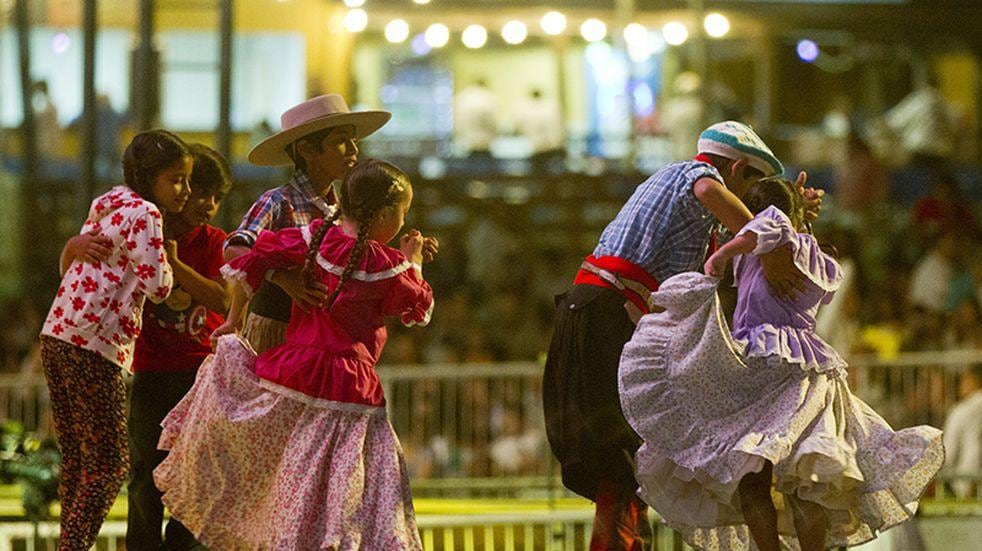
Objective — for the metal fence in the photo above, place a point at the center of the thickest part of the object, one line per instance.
(484, 421)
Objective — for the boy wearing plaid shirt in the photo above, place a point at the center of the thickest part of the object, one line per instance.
(319, 138)
(666, 227)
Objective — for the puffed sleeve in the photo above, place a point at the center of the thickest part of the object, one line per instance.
(773, 229)
(410, 298)
(145, 246)
(285, 248)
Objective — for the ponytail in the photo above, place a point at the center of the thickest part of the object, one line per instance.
(307, 272)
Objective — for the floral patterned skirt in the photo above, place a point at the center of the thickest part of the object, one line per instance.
(257, 466)
(708, 416)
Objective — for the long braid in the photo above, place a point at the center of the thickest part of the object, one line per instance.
(307, 272)
(370, 187)
(354, 258)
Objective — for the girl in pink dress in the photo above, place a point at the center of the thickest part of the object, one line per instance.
(292, 449)
(726, 418)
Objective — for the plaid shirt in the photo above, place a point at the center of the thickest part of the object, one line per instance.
(289, 206)
(663, 227)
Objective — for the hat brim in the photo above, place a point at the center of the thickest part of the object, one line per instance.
(271, 151)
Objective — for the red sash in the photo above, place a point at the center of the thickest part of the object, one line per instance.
(627, 278)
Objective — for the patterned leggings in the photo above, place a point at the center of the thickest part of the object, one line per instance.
(88, 401)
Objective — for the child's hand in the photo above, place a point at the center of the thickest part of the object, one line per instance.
(430, 248)
(90, 247)
(716, 265)
(411, 245)
(226, 328)
(170, 249)
(306, 294)
(813, 197)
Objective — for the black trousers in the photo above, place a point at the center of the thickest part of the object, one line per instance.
(151, 398)
(584, 423)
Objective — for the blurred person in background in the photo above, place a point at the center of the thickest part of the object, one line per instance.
(963, 433)
(538, 120)
(46, 121)
(319, 138)
(682, 115)
(945, 209)
(476, 120)
(930, 280)
(862, 183)
(925, 125)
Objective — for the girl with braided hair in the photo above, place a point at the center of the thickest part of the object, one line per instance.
(291, 449)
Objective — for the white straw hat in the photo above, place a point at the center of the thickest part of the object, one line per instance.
(327, 111)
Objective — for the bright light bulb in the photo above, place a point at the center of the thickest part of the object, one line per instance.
(356, 20)
(716, 25)
(354, 3)
(593, 30)
(396, 31)
(514, 32)
(421, 2)
(553, 23)
(636, 34)
(437, 35)
(675, 33)
(808, 50)
(474, 36)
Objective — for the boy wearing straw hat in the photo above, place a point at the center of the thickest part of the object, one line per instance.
(665, 228)
(319, 137)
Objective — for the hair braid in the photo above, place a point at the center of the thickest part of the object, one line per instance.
(354, 258)
(307, 272)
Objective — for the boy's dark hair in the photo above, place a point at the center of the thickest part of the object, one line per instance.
(212, 173)
(723, 164)
(779, 192)
(148, 154)
(371, 186)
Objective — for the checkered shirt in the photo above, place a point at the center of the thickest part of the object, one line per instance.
(663, 227)
(292, 205)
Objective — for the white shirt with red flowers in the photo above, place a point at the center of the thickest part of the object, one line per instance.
(99, 306)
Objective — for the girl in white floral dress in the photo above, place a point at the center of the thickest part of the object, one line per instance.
(727, 418)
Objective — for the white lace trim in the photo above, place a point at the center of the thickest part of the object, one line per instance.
(360, 274)
(239, 276)
(322, 403)
(426, 317)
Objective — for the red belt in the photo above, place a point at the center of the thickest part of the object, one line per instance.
(627, 278)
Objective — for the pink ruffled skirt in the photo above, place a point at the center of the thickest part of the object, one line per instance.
(708, 416)
(257, 466)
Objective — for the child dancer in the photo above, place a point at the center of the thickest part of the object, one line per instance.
(88, 336)
(725, 418)
(665, 228)
(173, 342)
(292, 449)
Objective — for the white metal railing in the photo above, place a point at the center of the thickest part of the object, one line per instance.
(485, 420)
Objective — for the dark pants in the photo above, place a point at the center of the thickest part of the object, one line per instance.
(87, 397)
(586, 428)
(151, 398)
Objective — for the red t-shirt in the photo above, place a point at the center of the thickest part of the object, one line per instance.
(176, 332)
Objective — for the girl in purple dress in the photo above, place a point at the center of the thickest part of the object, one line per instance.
(727, 418)
(292, 449)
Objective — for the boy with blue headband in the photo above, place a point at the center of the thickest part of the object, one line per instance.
(667, 227)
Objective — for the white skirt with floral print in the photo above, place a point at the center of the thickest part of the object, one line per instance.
(256, 466)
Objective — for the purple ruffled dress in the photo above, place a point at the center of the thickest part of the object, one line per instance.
(712, 406)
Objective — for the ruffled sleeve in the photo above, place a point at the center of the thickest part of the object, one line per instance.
(773, 229)
(410, 298)
(285, 248)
